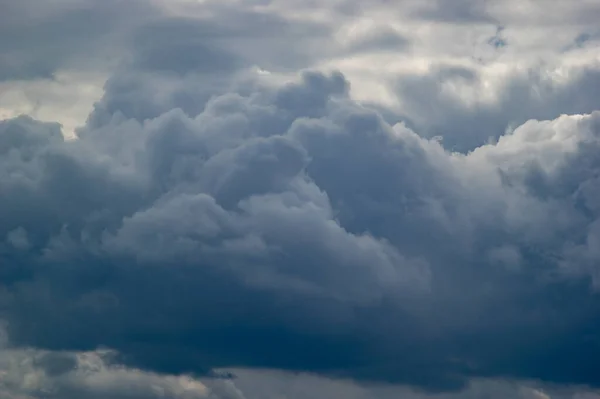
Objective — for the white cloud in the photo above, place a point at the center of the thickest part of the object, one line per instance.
(65, 375)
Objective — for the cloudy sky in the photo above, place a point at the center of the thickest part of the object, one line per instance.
(298, 199)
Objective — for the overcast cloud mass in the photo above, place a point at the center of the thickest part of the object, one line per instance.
(264, 199)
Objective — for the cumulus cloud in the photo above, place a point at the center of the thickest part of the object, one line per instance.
(219, 209)
(454, 102)
(289, 227)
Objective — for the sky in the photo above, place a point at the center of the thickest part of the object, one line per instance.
(286, 199)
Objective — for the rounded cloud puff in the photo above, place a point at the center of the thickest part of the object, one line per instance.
(286, 226)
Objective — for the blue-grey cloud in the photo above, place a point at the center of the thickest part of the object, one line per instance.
(465, 125)
(456, 11)
(38, 39)
(288, 227)
(34, 374)
(383, 40)
(210, 217)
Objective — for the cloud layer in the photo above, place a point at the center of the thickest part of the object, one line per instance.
(224, 207)
(291, 228)
(31, 374)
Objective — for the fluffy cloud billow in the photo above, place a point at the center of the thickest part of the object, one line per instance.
(292, 228)
(222, 210)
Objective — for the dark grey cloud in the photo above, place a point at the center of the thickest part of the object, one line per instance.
(180, 62)
(456, 11)
(228, 40)
(35, 374)
(382, 40)
(287, 227)
(465, 125)
(210, 217)
(497, 41)
(38, 39)
(584, 39)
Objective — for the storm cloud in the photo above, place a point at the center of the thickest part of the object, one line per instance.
(225, 209)
(291, 228)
